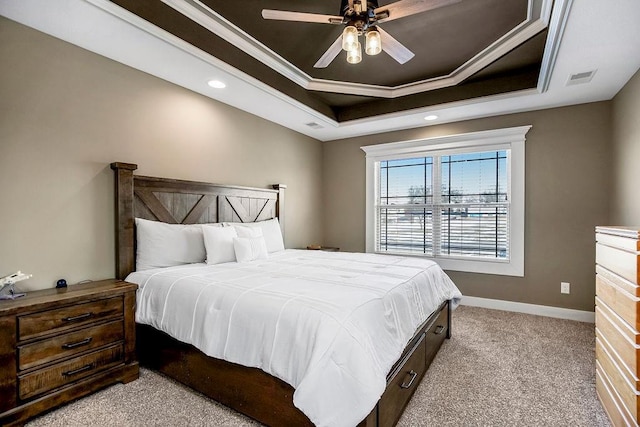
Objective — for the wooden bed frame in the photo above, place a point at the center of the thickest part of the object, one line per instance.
(250, 391)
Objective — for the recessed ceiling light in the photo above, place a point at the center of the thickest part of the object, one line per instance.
(431, 117)
(217, 84)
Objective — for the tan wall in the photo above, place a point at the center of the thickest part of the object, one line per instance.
(567, 190)
(625, 202)
(66, 113)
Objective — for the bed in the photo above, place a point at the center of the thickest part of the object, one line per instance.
(178, 349)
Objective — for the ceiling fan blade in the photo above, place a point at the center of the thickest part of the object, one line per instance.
(404, 8)
(394, 48)
(282, 15)
(330, 54)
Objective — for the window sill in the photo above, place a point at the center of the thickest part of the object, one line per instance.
(497, 267)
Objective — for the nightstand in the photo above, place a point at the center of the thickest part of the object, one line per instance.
(57, 345)
(322, 248)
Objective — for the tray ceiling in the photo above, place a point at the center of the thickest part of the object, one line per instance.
(473, 48)
(537, 65)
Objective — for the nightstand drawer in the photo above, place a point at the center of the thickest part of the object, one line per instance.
(55, 376)
(61, 319)
(66, 345)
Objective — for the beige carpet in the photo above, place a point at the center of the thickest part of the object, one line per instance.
(499, 369)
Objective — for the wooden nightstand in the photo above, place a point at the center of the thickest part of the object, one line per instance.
(57, 345)
(322, 248)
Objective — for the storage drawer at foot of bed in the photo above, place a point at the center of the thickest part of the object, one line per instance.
(435, 335)
(402, 385)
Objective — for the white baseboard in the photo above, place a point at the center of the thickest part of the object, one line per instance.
(540, 310)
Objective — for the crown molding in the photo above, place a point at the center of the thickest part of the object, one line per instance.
(493, 52)
(538, 17)
(557, 25)
(218, 25)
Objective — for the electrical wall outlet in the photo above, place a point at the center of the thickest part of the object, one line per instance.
(565, 287)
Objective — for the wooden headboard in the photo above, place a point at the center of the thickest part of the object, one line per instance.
(183, 202)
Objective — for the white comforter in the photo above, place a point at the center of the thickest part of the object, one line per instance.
(329, 324)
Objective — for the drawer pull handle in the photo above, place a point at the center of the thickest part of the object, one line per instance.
(79, 317)
(413, 374)
(439, 330)
(79, 370)
(77, 344)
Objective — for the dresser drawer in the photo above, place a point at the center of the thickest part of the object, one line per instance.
(622, 262)
(68, 344)
(628, 393)
(619, 300)
(52, 377)
(61, 319)
(629, 374)
(402, 384)
(616, 332)
(611, 400)
(619, 281)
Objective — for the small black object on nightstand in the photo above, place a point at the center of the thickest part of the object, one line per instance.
(61, 283)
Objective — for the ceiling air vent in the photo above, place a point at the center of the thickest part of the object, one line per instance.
(314, 125)
(580, 78)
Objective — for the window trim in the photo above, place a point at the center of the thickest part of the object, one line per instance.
(512, 139)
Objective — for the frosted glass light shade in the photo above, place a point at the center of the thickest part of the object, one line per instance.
(349, 38)
(373, 43)
(355, 55)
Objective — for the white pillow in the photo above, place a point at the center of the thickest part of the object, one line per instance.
(159, 244)
(249, 248)
(218, 242)
(248, 231)
(270, 230)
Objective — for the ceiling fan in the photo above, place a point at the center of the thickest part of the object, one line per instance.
(362, 17)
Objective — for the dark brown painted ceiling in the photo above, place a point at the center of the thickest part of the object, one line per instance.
(442, 40)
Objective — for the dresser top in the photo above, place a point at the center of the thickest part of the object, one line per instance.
(49, 298)
(622, 231)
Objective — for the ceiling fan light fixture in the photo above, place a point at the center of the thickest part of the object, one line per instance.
(373, 45)
(349, 38)
(354, 56)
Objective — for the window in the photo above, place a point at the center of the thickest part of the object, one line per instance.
(458, 199)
